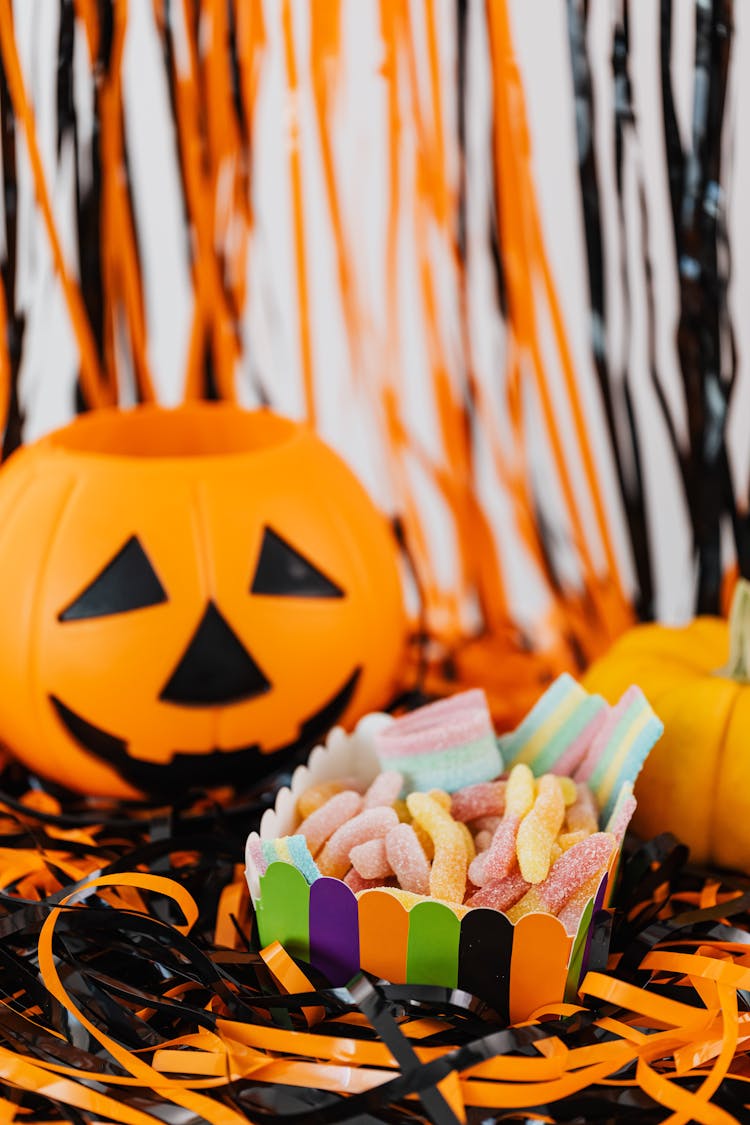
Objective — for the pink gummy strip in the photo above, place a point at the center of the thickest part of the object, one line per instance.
(621, 821)
(485, 798)
(407, 859)
(328, 818)
(573, 868)
(369, 859)
(432, 713)
(367, 825)
(384, 790)
(356, 883)
(438, 726)
(501, 894)
(500, 857)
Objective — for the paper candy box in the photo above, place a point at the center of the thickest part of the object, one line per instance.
(514, 968)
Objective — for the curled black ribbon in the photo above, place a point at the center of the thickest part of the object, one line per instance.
(117, 963)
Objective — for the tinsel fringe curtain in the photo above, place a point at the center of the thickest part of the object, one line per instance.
(332, 209)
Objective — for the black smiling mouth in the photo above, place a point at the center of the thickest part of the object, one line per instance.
(210, 770)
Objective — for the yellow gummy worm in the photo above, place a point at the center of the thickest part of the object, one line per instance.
(538, 830)
(568, 839)
(409, 899)
(531, 903)
(448, 871)
(402, 811)
(471, 848)
(425, 840)
(569, 790)
(442, 798)
(519, 792)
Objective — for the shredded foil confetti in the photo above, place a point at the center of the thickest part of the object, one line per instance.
(135, 991)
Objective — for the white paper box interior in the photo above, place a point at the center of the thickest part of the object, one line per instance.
(344, 755)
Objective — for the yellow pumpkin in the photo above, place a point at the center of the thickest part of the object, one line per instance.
(696, 781)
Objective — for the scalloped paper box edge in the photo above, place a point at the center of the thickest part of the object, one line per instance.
(516, 969)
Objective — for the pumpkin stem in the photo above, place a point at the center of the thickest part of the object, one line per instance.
(738, 665)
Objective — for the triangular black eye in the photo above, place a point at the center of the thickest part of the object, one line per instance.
(127, 582)
(284, 572)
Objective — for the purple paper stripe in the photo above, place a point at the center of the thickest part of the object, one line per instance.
(334, 930)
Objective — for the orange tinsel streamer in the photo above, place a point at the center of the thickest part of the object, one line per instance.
(217, 58)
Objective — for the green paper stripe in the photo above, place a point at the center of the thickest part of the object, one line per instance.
(284, 909)
(432, 947)
(576, 958)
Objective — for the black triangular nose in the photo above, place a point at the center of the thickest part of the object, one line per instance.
(216, 667)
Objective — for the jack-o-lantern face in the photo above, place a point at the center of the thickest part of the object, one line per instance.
(180, 616)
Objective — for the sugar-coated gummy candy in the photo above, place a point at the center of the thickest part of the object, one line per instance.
(319, 825)
(408, 899)
(486, 798)
(356, 883)
(442, 798)
(621, 818)
(594, 711)
(425, 839)
(516, 844)
(407, 859)
(299, 855)
(448, 871)
(255, 852)
(485, 824)
(369, 824)
(500, 858)
(570, 914)
(574, 867)
(477, 869)
(520, 790)
(471, 849)
(370, 860)
(315, 797)
(538, 830)
(384, 790)
(569, 790)
(448, 743)
(583, 813)
(500, 894)
(568, 839)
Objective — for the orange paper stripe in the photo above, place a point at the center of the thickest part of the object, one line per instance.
(383, 935)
